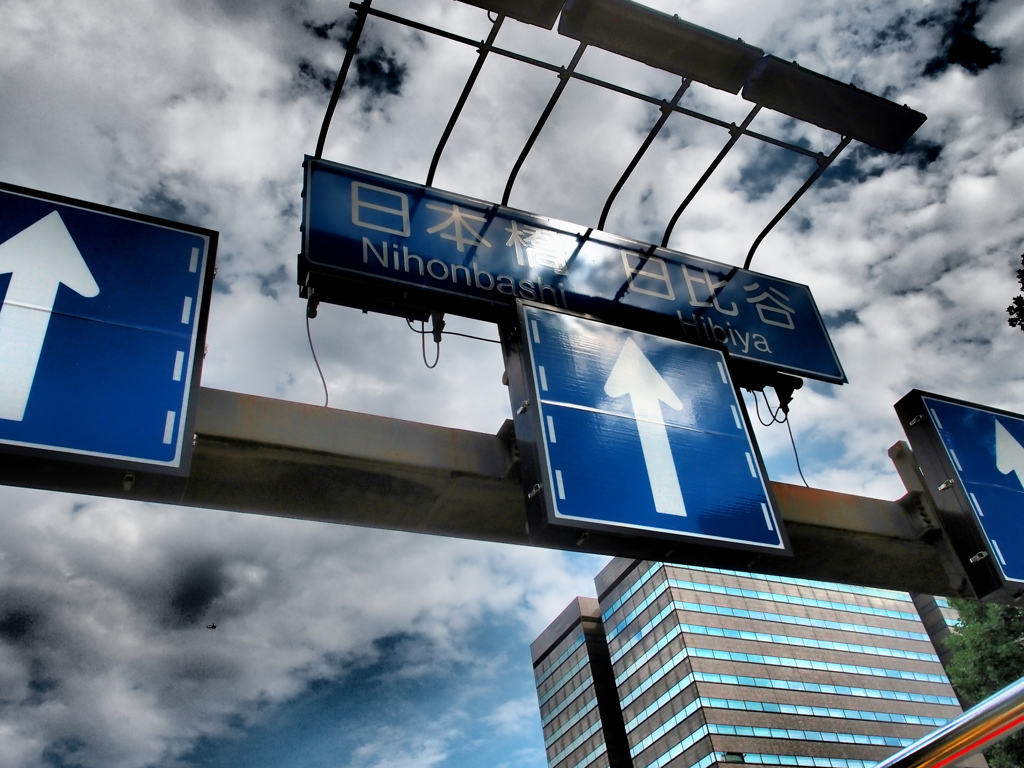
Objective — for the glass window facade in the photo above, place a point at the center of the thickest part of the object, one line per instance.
(579, 707)
(709, 667)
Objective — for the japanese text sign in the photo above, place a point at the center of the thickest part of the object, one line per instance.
(474, 258)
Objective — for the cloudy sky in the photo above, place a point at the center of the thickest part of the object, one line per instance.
(339, 647)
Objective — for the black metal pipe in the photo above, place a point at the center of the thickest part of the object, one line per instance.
(666, 110)
(823, 163)
(498, 51)
(736, 132)
(484, 50)
(350, 52)
(563, 80)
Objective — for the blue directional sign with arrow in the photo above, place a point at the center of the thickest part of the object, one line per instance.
(982, 455)
(102, 323)
(643, 435)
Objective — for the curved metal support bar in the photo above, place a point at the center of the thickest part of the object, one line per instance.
(563, 79)
(666, 110)
(484, 50)
(539, 64)
(346, 64)
(977, 729)
(823, 163)
(736, 132)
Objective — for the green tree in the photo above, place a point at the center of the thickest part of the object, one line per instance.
(1016, 309)
(988, 655)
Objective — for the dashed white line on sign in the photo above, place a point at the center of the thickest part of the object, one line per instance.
(169, 427)
(999, 552)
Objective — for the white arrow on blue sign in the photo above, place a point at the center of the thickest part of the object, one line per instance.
(645, 434)
(986, 449)
(102, 313)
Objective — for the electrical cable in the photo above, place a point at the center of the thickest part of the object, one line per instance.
(795, 454)
(423, 339)
(468, 336)
(757, 407)
(309, 335)
(453, 333)
(776, 420)
(780, 409)
(423, 346)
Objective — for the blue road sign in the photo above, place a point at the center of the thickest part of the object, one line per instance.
(101, 331)
(643, 434)
(407, 245)
(986, 450)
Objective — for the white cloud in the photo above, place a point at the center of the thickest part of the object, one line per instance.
(396, 748)
(203, 112)
(516, 716)
(116, 599)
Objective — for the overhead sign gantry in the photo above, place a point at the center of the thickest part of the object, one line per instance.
(383, 244)
(393, 245)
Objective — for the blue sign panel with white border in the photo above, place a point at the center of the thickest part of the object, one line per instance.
(102, 323)
(986, 450)
(644, 435)
(406, 245)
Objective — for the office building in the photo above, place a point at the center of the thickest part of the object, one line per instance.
(580, 710)
(939, 619)
(686, 667)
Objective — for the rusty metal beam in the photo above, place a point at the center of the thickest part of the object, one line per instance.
(272, 457)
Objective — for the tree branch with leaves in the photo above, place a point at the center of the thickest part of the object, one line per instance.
(988, 655)
(1016, 309)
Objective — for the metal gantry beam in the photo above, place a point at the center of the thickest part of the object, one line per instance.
(273, 457)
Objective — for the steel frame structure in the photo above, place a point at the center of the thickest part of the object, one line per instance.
(667, 107)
